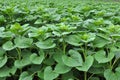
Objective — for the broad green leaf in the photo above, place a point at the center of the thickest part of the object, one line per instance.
(8, 45)
(73, 60)
(49, 74)
(96, 70)
(47, 44)
(87, 64)
(22, 42)
(39, 21)
(7, 34)
(6, 72)
(58, 56)
(3, 78)
(110, 75)
(73, 40)
(61, 68)
(49, 61)
(25, 76)
(40, 75)
(68, 76)
(3, 61)
(2, 52)
(100, 42)
(34, 58)
(102, 57)
(20, 63)
(2, 18)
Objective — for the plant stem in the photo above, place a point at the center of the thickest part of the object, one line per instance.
(85, 55)
(64, 47)
(19, 53)
(114, 63)
(85, 75)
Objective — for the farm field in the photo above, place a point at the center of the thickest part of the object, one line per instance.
(59, 40)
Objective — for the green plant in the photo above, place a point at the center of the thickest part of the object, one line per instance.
(59, 42)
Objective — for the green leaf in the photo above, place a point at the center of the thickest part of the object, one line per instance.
(40, 75)
(2, 18)
(34, 58)
(3, 78)
(102, 57)
(96, 70)
(39, 21)
(68, 76)
(16, 28)
(88, 37)
(7, 34)
(8, 45)
(24, 61)
(73, 40)
(21, 63)
(87, 64)
(6, 72)
(110, 75)
(3, 61)
(61, 68)
(47, 44)
(100, 42)
(74, 60)
(25, 76)
(2, 52)
(49, 74)
(58, 56)
(22, 42)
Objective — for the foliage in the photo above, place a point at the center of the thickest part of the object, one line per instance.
(76, 41)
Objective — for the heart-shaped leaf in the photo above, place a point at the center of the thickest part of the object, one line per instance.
(100, 41)
(58, 56)
(25, 76)
(110, 75)
(73, 60)
(101, 56)
(87, 64)
(8, 45)
(3, 61)
(2, 52)
(24, 61)
(6, 72)
(22, 42)
(73, 40)
(47, 44)
(34, 58)
(49, 74)
(62, 68)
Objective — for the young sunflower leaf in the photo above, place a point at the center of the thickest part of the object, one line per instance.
(100, 56)
(3, 60)
(22, 42)
(87, 64)
(61, 68)
(35, 59)
(47, 44)
(8, 46)
(74, 60)
(110, 75)
(25, 76)
(49, 74)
